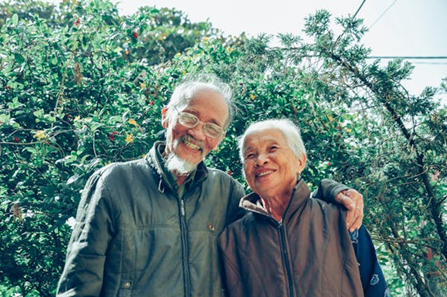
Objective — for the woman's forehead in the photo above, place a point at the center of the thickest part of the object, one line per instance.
(264, 137)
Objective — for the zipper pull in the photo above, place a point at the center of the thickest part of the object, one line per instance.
(182, 207)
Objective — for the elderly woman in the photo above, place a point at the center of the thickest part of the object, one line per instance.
(289, 244)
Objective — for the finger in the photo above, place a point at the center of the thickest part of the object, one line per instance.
(353, 201)
(349, 218)
(347, 201)
(358, 214)
(355, 196)
(357, 221)
(339, 197)
(351, 213)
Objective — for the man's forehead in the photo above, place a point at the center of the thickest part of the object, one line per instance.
(209, 103)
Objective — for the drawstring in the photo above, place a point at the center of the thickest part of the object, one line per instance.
(157, 172)
(160, 186)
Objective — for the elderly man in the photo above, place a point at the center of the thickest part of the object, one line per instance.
(289, 244)
(149, 227)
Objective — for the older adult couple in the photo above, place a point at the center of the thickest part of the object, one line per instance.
(150, 227)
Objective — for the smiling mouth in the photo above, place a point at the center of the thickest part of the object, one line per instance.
(192, 145)
(264, 173)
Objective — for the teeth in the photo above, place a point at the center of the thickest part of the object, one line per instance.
(265, 173)
(192, 145)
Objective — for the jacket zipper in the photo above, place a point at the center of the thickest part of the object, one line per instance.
(185, 251)
(285, 252)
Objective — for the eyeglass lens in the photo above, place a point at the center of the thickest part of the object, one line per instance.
(190, 121)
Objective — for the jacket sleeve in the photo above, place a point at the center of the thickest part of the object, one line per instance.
(234, 212)
(371, 275)
(328, 189)
(84, 264)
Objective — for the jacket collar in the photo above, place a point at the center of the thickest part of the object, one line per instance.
(301, 193)
(156, 161)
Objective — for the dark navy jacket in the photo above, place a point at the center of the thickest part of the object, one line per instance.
(371, 274)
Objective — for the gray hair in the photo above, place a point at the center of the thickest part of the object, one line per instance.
(290, 131)
(186, 91)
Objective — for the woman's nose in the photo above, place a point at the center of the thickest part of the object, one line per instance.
(261, 159)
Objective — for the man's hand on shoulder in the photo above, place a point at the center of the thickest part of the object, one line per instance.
(353, 201)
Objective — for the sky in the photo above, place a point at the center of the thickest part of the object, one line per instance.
(404, 28)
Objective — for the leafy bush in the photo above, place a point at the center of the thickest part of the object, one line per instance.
(81, 86)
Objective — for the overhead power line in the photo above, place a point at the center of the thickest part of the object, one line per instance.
(383, 13)
(430, 63)
(409, 57)
(360, 7)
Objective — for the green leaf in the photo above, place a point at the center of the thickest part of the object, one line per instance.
(73, 179)
(15, 19)
(19, 58)
(4, 118)
(15, 103)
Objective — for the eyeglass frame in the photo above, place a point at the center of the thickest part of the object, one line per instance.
(204, 129)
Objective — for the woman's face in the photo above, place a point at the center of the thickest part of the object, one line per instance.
(271, 168)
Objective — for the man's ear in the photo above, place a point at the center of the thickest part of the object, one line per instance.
(164, 119)
(301, 162)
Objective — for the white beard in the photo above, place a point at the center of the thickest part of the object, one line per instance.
(176, 164)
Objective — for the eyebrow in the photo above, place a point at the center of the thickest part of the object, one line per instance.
(269, 143)
(197, 114)
(246, 149)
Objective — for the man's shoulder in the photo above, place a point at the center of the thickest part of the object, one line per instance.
(324, 205)
(220, 173)
(119, 169)
(243, 223)
(329, 211)
(217, 174)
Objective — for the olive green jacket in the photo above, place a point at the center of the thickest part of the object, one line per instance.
(134, 236)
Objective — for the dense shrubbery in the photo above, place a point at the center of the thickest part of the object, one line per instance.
(81, 86)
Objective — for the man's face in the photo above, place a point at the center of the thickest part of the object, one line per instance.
(191, 144)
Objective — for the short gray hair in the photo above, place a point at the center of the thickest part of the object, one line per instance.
(290, 131)
(186, 91)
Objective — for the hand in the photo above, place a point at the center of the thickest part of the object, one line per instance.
(353, 201)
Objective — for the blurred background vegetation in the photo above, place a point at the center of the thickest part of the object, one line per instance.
(82, 86)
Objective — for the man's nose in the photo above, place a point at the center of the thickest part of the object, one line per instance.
(197, 131)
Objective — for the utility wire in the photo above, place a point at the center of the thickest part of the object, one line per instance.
(428, 63)
(418, 58)
(355, 14)
(398, 57)
(360, 7)
(409, 57)
(383, 13)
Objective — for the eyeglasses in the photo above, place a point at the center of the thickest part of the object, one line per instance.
(190, 121)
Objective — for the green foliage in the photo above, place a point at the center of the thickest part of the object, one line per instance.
(399, 162)
(25, 10)
(81, 86)
(78, 92)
